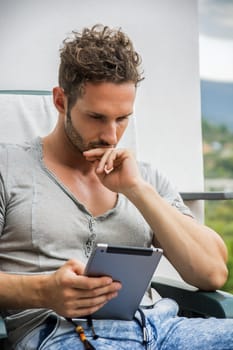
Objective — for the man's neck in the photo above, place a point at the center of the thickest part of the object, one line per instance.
(60, 150)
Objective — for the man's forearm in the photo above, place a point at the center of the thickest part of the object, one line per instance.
(21, 291)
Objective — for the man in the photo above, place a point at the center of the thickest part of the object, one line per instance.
(61, 194)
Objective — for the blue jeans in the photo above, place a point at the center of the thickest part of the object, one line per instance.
(165, 330)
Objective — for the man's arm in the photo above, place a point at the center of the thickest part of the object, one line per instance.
(197, 252)
(65, 291)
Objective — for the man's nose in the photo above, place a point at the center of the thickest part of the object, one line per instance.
(109, 134)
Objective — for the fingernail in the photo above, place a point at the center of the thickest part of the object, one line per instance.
(108, 171)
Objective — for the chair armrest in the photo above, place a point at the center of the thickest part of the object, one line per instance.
(3, 333)
(194, 303)
(192, 196)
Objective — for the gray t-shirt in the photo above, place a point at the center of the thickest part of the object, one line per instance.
(42, 224)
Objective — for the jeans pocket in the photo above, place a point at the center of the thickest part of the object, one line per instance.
(45, 333)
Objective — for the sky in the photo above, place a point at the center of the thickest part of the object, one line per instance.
(216, 39)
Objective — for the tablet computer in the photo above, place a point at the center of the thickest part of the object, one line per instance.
(133, 267)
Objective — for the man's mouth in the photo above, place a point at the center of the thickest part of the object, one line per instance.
(102, 146)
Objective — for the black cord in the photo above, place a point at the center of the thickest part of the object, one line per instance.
(80, 331)
(90, 324)
(143, 326)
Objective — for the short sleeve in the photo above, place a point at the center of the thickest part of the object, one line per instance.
(164, 187)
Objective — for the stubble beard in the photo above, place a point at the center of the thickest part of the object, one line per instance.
(74, 136)
(76, 139)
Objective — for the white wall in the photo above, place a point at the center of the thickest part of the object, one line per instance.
(164, 32)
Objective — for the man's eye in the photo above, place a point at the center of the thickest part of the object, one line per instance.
(96, 117)
(122, 119)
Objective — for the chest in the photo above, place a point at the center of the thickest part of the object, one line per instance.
(87, 189)
(96, 198)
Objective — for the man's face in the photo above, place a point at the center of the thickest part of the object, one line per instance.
(100, 116)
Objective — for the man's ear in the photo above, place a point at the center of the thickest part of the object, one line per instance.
(59, 99)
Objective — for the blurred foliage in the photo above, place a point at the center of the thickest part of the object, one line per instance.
(218, 150)
(218, 167)
(216, 133)
(218, 163)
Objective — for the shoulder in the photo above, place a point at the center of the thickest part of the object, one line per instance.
(154, 176)
(15, 150)
(163, 186)
(9, 147)
(14, 156)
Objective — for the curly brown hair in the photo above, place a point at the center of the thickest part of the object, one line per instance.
(97, 54)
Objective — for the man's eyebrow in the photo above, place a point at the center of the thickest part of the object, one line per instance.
(100, 115)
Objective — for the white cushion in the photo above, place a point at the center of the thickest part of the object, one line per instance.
(24, 117)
